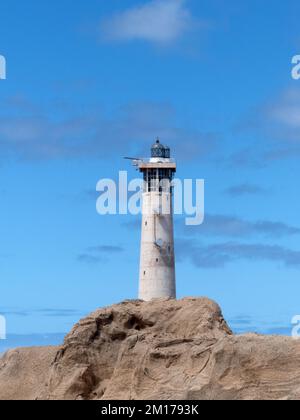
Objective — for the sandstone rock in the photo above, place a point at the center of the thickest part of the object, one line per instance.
(164, 349)
(24, 372)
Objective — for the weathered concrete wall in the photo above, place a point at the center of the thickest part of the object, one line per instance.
(157, 263)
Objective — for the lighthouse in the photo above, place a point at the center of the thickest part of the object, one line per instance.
(157, 255)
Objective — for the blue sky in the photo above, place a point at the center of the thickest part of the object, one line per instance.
(91, 82)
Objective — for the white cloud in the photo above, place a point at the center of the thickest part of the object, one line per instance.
(287, 111)
(289, 115)
(158, 21)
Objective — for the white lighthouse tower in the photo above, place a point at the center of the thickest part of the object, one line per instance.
(157, 259)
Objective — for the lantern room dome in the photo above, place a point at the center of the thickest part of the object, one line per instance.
(158, 150)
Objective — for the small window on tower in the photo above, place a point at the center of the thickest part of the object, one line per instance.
(157, 260)
(146, 223)
(144, 273)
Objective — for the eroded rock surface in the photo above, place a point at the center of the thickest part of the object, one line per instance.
(24, 372)
(164, 349)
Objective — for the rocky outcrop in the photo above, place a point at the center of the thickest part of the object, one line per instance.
(164, 349)
(24, 372)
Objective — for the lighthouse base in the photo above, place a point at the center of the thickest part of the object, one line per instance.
(157, 264)
(157, 287)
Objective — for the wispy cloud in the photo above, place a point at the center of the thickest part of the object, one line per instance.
(231, 226)
(20, 313)
(243, 324)
(106, 249)
(245, 189)
(51, 136)
(46, 312)
(39, 137)
(248, 156)
(220, 255)
(156, 21)
(58, 313)
(97, 254)
(240, 320)
(219, 225)
(89, 193)
(276, 126)
(133, 224)
(286, 110)
(283, 118)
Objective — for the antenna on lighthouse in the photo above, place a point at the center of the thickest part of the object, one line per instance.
(135, 161)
